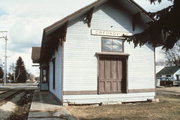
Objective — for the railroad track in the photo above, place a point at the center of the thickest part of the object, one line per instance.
(2, 91)
(7, 95)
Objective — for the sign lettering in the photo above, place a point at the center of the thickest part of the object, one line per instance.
(109, 33)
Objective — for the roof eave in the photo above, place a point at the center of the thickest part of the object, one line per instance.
(59, 23)
(50, 29)
(143, 11)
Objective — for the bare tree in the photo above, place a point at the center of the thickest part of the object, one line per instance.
(12, 68)
(30, 76)
(173, 55)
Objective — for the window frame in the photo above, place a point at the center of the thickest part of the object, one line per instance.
(111, 39)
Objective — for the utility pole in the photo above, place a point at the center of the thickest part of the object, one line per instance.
(3, 35)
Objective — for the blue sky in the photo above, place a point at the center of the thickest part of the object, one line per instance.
(25, 19)
(3, 12)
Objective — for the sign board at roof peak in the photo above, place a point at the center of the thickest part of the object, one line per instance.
(109, 33)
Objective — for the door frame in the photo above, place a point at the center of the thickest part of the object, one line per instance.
(111, 55)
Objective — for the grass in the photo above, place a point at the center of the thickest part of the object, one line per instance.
(167, 109)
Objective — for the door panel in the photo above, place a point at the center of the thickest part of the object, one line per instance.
(115, 86)
(119, 69)
(111, 75)
(101, 69)
(108, 86)
(107, 69)
(101, 86)
(114, 69)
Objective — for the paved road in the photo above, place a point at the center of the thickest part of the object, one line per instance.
(169, 91)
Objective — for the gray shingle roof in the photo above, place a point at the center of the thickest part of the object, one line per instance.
(36, 54)
(168, 71)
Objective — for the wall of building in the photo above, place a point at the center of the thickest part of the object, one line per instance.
(80, 62)
(58, 75)
(175, 75)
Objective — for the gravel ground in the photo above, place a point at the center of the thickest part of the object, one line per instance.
(2, 92)
(9, 107)
(23, 106)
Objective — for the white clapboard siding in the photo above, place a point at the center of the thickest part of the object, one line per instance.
(141, 74)
(80, 62)
(176, 73)
(58, 78)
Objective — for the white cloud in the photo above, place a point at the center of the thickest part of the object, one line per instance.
(25, 20)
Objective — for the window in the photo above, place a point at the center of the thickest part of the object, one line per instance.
(112, 45)
(178, 77)
(54, 73)
(168, 75)
(44, 76)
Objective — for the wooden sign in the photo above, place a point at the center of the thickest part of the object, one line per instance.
(109, 33)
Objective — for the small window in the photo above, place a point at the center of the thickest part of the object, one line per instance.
(168, 75)
(112, 45)
(54, 73)
(178, 77)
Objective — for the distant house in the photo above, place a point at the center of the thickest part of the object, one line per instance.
(169, 74)
(85, 60)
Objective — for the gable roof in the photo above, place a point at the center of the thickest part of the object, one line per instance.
(36, 54)
(130, 4)
(168, 71)
(59, 23)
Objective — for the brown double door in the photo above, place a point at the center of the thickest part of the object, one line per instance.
(112, 75)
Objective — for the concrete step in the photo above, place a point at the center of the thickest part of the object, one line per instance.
(45, 107)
